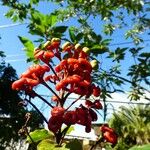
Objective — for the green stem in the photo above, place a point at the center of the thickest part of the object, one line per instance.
(97, 142)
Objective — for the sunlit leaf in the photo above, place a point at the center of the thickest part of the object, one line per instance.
(72, 34)
(143, 147)
(39, 135)
(28, 45)
(74, 145)
(50, 145)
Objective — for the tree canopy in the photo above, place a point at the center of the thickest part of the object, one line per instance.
(12, 116)
(128, 16)
(93, 24)
(132, 125)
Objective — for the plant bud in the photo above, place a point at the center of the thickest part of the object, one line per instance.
(77, 47)
(94, 64)
(86, 49)
(47, 44)
(55, 42)
(67, 46)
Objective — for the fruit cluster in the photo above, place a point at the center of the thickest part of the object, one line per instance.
(50, 49)
(71, 75)
(82, 115)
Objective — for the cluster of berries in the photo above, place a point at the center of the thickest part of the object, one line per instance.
(30, 78)
(82, 115)
(75, 72)
(71, 75)
(49, 50)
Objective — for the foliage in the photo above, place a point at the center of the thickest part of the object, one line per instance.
(116, 15)
(38, 135)
(143, 147)
(12, 118)
(46, 27)
(132, 125)
(72, 75)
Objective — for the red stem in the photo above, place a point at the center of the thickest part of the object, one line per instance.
(44, 100)
(73, 102)
(46, 85)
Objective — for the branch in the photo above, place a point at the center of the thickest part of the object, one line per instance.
(49, 104)
(36, 109)
(46, 85)
(53, 70)
(74, 102)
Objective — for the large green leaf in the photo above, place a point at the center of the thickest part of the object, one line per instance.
(46, 145)
(51, 19)
(98, 49)
(50, 145)
(39, 135)
(29, 46)
(38, 17)
(72, 34)
(74, 145)
(60, 29)
(143, 147)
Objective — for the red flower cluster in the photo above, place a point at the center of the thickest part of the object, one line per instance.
(32, 77)
(109, 134)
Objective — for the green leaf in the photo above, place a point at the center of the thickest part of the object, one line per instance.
(74, 145)
(72, 34)
(79, 36)
(60, 29)
(10, 13)
(29, 46)
(98, 49)
(50, 145)
(39, 135)
(145, 55)
(38, 17)
(70, 130)
(46, 145)
(34, 2)
(67, 129)
(106, 41)
(51, 19)
(143, 147)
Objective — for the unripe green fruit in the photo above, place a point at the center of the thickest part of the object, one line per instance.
(94, 64)
(86, 49)
(46, 44)
(36, 48)
(66, 44)
(55, 40)
(77, 47)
